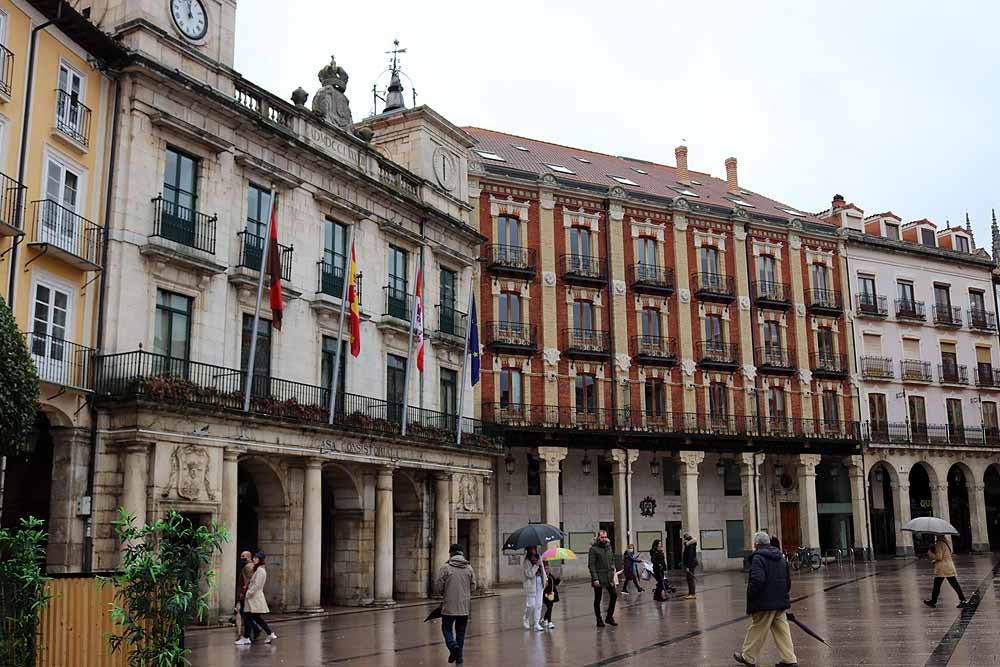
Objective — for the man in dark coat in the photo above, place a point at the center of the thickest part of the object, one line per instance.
(601, 562)
(767, 599)
(690, 562)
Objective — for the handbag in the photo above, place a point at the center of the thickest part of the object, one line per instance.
(550, 596)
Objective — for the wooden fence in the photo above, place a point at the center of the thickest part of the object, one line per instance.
(75, 624)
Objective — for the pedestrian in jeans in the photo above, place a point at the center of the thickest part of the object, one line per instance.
(659, 561)
(601, 563)
(690, 561)
(533, 574)
(631, 564)
(767, 599)
(944, 568)
(455, 582)
(255, 604)
(550, 597)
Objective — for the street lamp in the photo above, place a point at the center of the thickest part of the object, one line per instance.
(720, 467)
(509, 462)
(585, 463)
(654, 466)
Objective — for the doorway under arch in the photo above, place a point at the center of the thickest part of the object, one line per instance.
(261, 523)
(921, 503)
(28, 482)
(958, 508)
(410, 557)
(883, 510)
(991, 482)
(344, 570)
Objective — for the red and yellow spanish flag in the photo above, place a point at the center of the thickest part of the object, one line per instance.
(418, 324)
(352, 300)
(274, 269)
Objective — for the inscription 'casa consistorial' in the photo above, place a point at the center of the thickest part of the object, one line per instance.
(362, 449)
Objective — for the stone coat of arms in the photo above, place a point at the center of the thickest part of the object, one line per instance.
(190, 467)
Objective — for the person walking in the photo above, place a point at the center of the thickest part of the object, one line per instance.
(944, 568)
(690, 562)
(601, 563)
(246, 573)
(767, 599)
(659, 562)
(533, 574)
(455, 582)
(550, 597)
(631, 563)
(255, 603)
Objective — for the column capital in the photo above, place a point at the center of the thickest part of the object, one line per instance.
(808, 463)
(137, 447)
(690, 461)
(550, 457)
(383, 481)
(313, 462)
(855, 466)
(623, 458)
(231, 454)
(747, 463)
(442, 476)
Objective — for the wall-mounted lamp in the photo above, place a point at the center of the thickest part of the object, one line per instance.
(585, 463)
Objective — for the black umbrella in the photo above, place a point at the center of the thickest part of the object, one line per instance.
(435, 613)
(806, 629)
(533, 535)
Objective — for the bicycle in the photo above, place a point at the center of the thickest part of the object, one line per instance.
(805, 557)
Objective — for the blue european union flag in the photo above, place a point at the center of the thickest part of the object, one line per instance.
(474, 342)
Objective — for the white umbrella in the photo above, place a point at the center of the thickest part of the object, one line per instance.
(930, 525)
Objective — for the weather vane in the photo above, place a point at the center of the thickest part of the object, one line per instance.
(392, 95)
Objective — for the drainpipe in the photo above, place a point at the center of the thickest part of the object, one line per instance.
(88, 539)
(613, 365)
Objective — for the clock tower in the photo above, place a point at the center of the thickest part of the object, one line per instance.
(202, 32)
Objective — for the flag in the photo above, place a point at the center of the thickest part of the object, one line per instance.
(274, 269)
(418, 323)
(352, 299)
(474, 342)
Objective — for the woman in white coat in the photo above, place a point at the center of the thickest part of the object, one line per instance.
(534, 587)
(255, 604)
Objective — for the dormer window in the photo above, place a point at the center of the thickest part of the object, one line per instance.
(927, 237)
(892, 231)
(623, 180)
(558, 167)
(487, 155)
(962, 243)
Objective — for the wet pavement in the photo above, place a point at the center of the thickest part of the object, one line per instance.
(872, 615)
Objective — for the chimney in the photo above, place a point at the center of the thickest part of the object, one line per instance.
(838, 202)
(681, 156)
(731, 182)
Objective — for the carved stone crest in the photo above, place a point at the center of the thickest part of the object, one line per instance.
(744, 303)
(647, 506)
(800, 309)
(190, 466)
(681, 204)
(688, 367)
(469, 493)
(749, 372)
(619, 286)
(623, 362)
(551, 356)
(330, 102)
(805, 376)
(684, 294)
(549, 278)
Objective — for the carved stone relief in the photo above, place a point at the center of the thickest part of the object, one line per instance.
(190, 471)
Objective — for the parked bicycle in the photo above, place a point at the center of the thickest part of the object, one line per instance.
(804, 557)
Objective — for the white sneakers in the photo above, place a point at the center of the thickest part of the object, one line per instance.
(539, 627)
(243, 641)
(527, 624)
(270, 637)
(551, 625)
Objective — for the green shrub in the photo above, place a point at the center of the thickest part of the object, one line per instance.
(19, 388)
(22, 591)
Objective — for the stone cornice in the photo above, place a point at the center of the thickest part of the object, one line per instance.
(942, 254)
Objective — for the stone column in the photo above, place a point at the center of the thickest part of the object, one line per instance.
(230, 509)
(859, 501)
(901, 510)
(383, 537)
(312, 534)
(977, 512)
(442, 519)
(135, 480)
(808, 511)
(688, 471)
(684, 303)
(621, 475)
(749, 478)
(549, 459)
(486, 573)
(939, 500)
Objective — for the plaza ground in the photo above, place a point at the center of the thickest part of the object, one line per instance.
(871, 614)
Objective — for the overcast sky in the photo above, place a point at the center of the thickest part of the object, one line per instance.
(892, 104)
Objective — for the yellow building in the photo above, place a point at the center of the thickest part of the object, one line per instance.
(57, 95)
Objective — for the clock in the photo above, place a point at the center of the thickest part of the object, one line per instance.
(190, 18)
(445, 169)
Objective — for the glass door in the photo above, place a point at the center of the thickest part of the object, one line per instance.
(180, 198)
(49, 321)
(69, 115)
(58, 216)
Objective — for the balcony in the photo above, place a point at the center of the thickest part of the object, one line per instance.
(871, 305)
(941, 435)
(654, 350)
(774, 360)
(252, 252)
(398, 304)
(877, 368)
(914, 370)
(451, 323)
(947, 316)
(157, 380)
(11, 205)
(65, 234)
(72, 118)
(982, 320)
(511, 260)
(6, 71)
(713, 355)
(651, 279)
(183, 225)
(907, 309)
(583, 270)
(586, 343)
(987, 376)
(331, 280)
(713, 287)
(953, 374)
(829, 365)
(511, 337)
(59, 361)
(769, 294)
(824, 302)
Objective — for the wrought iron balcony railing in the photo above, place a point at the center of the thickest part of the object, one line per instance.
(773, 358)
(826, 363)
(511, 336)
(398, 303)
(920, 433)
(953, 374)
(908, 309)
(948, 316)
(331, 280)
(717, 353)
(583, 269)
(987, 376)
(6, 70)
(713, 286)
(183, 225)
(72, 236)
(872, 305)
(11, 206)
(651, 279)
(824, 301)
(653, 349)
(511, 259)
(586, 341)
(914, 370)
(450, 321)
(877, 368)
(252, 251)
(72, 117)
(983, 320)
(59, 361)
(767, 292)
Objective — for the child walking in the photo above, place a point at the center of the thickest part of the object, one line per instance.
(550, 597)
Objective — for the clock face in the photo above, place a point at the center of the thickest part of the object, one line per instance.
(190, 17)
(445, 169)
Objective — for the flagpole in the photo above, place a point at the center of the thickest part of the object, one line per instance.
(256, 311)
(409, 353)
(340, 327)
(465, 363)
